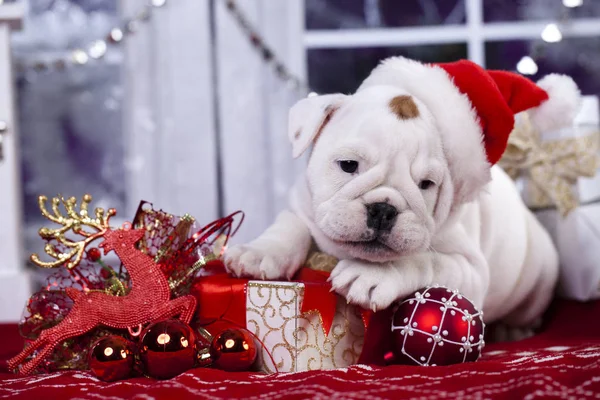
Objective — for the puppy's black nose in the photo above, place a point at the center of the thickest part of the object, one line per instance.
(381, 216)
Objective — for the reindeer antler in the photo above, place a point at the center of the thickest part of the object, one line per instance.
(74, 221)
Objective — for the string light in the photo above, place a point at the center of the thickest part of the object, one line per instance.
(551, 34)
(527, 66)
(80, 57)
(116, 35)
(98, 48)
(268, 55)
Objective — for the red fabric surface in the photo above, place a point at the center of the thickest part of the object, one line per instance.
(561, 362)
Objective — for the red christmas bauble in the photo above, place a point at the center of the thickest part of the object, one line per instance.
(94, 254)
(233, 350)
(105, 274)
(167, 348)
(437, 326)
(111, 358)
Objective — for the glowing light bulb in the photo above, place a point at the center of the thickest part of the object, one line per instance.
(551, 34)
(80, 57)
(116, 35)
(229, 343)
(572, 3)
(108, 351)
(97, 49)
(527, 66)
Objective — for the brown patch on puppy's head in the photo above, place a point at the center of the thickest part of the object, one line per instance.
(404, 107)
(329, 111)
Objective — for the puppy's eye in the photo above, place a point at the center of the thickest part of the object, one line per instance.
(348, 166)
(426, 184)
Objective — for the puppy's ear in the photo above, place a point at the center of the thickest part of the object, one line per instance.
(308, 117)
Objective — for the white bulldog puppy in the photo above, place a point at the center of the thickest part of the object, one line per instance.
(400, 188)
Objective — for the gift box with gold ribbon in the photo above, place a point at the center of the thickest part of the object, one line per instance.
(559, 179)
(298, 326)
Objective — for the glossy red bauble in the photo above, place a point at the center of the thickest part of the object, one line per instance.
(167, 348)
(94, 254)
(233, 350)
(111, 358)
(437, 326)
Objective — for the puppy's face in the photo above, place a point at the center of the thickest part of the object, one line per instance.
(378, 177)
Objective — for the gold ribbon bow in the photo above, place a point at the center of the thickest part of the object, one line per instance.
(552, 167)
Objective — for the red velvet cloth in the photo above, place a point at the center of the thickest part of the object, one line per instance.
(561, 362)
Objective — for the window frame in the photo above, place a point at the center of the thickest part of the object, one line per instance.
(475, 33)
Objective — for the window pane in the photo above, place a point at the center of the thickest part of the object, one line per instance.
(523, 10)
(71, 139)
(576, 57)
(343, 70)
(354, 14)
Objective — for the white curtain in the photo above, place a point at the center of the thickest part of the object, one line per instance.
(14, 283)
(206, 125)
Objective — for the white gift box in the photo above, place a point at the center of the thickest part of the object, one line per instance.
(577, 239)
(576, 235)
(296, 341)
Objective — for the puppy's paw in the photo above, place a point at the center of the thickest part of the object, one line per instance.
(370, 286)
(253, 261)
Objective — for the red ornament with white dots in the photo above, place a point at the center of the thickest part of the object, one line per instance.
(437, 326)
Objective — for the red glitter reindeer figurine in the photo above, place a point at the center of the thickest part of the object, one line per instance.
(148, 299)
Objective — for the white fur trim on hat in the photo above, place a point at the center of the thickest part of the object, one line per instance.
(562, 106)
(455, 118)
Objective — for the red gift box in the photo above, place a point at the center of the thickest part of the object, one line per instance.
(302, 325)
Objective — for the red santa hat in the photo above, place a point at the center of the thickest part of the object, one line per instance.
(474, 109)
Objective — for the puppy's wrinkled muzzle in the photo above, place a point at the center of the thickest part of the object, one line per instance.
(381, 216)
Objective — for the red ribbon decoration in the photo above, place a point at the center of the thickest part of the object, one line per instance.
(222, 298)
(318, 296)
(222, 303)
